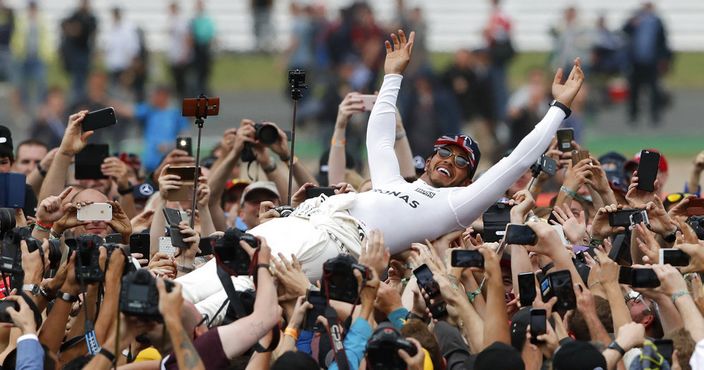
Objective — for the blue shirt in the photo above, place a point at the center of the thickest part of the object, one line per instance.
(161, 128)
(355, 343)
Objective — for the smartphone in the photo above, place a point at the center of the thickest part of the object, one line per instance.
(674, 257)
(426, 281)
(185, 144)
(12, 190)
(317, 191)
(165, 246)
(648, 170)
(640, 217)
(621, 217)
(665, 348)
(186, 175)
(538, 324)
(565, 136)
(562, 288)
(206, 246)
(95, 212)
(200, 107)
(495, 220)
(625, 275)
(578, 156)
(89, 160)
(113, 239)
(466, 258)
(320, 303)
(695, 207)
(4, 305)
(100, 118)
(368, 101)
(173, 219)
(644, 278)
(520, 234)
(547, 165)
(139, 243)
(526, 288)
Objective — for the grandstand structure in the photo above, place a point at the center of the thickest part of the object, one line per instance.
(451, 23)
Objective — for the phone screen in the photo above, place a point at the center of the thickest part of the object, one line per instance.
(520, 234)
(561, 285)
(100, 118)
(319, 302)
(526, 288)
(564, 139)
(648, 170)
(89, 160)
(645, 278)
(426, 281)
(674, 257)
(466, 258)
(538, 323)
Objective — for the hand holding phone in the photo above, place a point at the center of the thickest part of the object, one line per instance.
(100, 118)
(95, 212)
(466, 258)
(320, 303)
(520, 234)
(368, 101)
(538, 324)
(565, 136)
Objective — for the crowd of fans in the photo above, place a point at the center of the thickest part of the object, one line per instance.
(149, 267)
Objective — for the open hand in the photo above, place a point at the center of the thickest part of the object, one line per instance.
(565, 93)
(398, 56)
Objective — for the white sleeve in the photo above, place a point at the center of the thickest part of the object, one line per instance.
(381, 134)
(696, 362)
(469, 202)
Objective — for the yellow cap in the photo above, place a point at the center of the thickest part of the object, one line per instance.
(148, 354)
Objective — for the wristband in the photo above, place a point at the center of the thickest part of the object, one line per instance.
(341, 142)
(43, 227)
(678, 294)
(128, 190)
(107, 355)
(672, 237)
(616, 347)
(569, 192)
(563, 107)
(270, 168)
(70, 298)
(595, 242)
(291, 332)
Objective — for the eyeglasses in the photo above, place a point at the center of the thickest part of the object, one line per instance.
(676, 197)
(460, 162)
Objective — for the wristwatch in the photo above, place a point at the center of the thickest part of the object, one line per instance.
(616, 347)
(70, 298)
(564, 108)
(32, 288)
(126, 190)
(671, 237)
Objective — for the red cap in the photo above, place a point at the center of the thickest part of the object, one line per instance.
(662, 166)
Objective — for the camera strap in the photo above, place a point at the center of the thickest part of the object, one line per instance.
(334, 332)
(33, 307)
(91, 340)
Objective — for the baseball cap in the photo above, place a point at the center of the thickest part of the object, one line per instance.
(613, 165)
(6, 142)
(499, 356)
(419, 164)
(466, 143)
(519, 325)
(633, 163)
(578, 355)
(267, 186)
(143, 191)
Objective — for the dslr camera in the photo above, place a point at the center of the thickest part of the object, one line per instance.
(87, 249)
(230, 255)
(284, 211)
(339, 282)
(11, 254)
(139, 296)
(697, 223)
(265, 133)
(383, 346)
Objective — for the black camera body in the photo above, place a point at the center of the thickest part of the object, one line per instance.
(230, 255)
(4, 305)
(339, 282)
(7, 220)
(383, 346)
(284, 211)
(264, 133)
(87, 249)
(697, 224)
(11, 254)
(139, 295)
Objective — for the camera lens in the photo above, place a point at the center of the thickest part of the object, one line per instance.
(267, 134)
(54, 253)
(7, 220)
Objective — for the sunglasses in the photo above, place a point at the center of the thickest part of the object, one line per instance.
(676, 197)
(460, 162)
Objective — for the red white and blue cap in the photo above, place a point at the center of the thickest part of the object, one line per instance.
(464, 142)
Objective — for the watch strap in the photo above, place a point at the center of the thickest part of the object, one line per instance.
(107, 354)
(616, 347)
(70, 298)
(671, 237)
(31, 288)
(564, 108)
(128, 190)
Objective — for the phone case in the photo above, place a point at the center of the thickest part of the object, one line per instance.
(100, 118)
(95, 212)
(12, 190)
(165, 245)
(185, 191)
(648, 170)
(139, 243)
(368, 101)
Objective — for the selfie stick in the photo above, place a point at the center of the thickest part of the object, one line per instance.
(201, 115)
(296, 81)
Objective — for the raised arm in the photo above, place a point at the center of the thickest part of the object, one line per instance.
(381, 131)
(468, 203)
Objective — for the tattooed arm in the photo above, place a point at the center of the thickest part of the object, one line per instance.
(170, 306)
